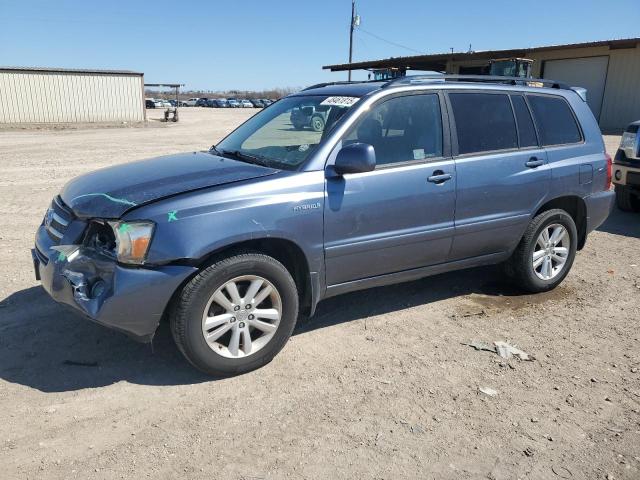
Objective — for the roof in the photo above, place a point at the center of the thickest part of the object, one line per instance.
(70, 70)
(438, 61)
(354, 89)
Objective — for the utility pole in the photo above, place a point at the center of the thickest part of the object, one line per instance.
(351, 26)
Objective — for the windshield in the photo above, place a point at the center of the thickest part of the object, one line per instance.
(284, 135)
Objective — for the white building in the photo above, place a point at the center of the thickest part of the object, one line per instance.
(49, 95)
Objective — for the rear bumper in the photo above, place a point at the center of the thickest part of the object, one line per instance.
(628, 175)
(599, 206)
(131, 300)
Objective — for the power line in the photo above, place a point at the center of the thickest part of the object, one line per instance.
(360, 29)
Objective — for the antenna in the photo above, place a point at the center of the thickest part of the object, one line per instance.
(355, 21)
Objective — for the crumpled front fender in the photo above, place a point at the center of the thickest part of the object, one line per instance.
(129, 299)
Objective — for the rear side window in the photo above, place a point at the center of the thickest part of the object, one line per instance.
(526, 130)
(555, 120)
(484, 122)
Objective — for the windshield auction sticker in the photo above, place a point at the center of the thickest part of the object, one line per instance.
(339, 101)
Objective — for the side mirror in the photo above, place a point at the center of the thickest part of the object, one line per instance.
(354, 158)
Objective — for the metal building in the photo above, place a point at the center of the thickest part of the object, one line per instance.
(609, 70)
(47, 95)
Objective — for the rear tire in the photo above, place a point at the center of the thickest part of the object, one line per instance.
(537, 264)
(626, 200)
(200, 313)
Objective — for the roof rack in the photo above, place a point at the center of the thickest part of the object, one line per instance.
(345, 82)
(529, 82)
(429, 78)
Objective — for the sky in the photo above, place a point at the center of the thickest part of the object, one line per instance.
(261, 44)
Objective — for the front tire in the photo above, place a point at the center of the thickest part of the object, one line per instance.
(546, 252)
(235, 315)
(626, 200)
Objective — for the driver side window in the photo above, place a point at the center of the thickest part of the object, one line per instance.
(401, 129)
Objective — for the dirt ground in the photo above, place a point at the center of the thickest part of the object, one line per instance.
(379, 385)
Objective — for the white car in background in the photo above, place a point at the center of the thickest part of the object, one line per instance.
(191, 102)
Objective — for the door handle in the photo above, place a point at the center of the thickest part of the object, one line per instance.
(534, 162)
(439, 177)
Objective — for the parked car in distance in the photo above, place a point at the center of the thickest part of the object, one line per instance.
(244, 103)
(233, 103)
(256, 102)
(266, 102)
(191, 102)
(162, 103)
(626, 170)
(202, 102)
(149, 103)
(219, 103)
(408, 178)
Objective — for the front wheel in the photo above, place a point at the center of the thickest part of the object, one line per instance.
(546, 252)
(626, 200)
(236, 315)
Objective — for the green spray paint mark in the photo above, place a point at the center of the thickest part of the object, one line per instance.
(171, 216)
(109, 197)
(61, 257)
(124, 228)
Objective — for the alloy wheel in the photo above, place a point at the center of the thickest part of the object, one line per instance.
(242, 316)
(551, 251)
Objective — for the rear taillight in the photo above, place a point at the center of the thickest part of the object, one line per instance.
(607, 185)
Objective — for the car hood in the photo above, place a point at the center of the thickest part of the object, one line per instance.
(110, 192)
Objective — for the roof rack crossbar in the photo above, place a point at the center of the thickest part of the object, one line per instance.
(545, 82)
(345, 82)
(326, 84)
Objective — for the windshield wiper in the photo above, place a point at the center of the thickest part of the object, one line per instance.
(246, 157)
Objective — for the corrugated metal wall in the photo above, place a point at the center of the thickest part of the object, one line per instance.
(621, 103)
(69, 97)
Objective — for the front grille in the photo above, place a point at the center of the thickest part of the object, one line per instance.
(633, 179)
(57, 219)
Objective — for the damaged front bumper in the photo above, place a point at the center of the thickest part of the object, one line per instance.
(131, 300)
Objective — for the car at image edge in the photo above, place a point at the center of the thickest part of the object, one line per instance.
(626, 170)
(408, 178)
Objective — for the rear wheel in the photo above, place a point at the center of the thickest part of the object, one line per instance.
(236, 315)
(546, 252)
(626, 199)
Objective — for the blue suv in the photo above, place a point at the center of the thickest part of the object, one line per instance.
(408, 178)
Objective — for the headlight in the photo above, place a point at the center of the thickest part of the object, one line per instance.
(630, 144)
(628, 140)
(132, 240)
